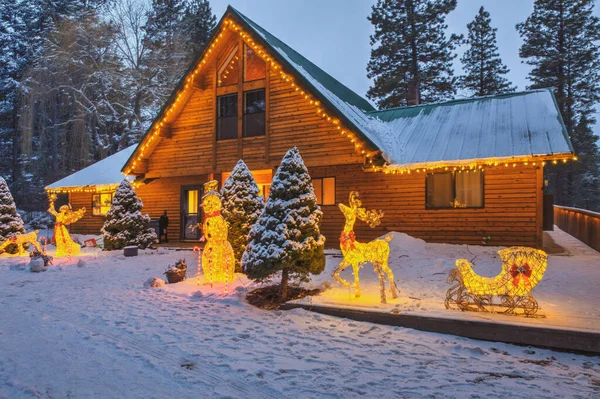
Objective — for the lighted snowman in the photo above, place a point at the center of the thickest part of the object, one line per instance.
(218, 262)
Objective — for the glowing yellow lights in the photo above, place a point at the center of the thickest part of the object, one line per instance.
(356, 254)
(64, 217)
(218, 262)
(522, 269)
(19, 240)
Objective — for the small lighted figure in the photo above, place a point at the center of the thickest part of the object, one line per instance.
(218, 262)
(64, 217)
(357, 254)
(20, 239)
(522, 270)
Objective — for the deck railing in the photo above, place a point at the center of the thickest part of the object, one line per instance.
(580, 223)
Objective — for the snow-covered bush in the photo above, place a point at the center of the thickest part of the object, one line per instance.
(41, 221)
(286, 236)
(125, 224)
(154, 282)
(242, 205)
(10, 221)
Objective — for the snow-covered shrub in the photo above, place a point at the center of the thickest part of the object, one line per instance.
(125, 224)
(41, 220)
(242, 205)
(286, 236)
(154, 282)
(10, 221)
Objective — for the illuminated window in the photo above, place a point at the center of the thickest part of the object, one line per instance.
(254, 66)
(228, 72)
(454, 190)
(254, 113)
(101, 203)
(227, 122)
(192, 202)
(325, 190)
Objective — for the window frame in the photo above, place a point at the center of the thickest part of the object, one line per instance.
(453, 174)
(236, 116)
(321, 179)
(112, 196)
(244, 113)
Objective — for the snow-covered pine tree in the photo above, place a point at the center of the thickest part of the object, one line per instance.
(560, 42)
(242, 205)
(287, 236)
(10, 220)
(125, 224)
(484, 70)
(410, 44)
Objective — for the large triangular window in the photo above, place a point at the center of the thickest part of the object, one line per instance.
(255, 67)
(228, 73)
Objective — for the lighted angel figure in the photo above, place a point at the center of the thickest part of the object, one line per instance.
(522, 270)
(218, 262)
(64, 217)
(357, 254)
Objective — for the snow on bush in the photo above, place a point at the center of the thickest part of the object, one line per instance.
(10, 221)
(242, 205)
(125, 224)
(286, 236)
(154, 282)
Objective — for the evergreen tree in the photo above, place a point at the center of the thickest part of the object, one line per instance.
(10, 220)
(242, 205)
(199, 21)
(125, 224)
(481, 62)
(286, 236)
(561, 44)
(410, 44)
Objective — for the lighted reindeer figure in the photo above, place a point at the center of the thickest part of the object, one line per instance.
(19, 240)
(357, 254)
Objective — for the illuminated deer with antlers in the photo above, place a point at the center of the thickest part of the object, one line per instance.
(357, 254)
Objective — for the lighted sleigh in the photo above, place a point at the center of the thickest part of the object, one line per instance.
(509, 292)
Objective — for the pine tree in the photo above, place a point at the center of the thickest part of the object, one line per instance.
(198, 21)
(242, 205)
(10, 220)
(410, 44)
(481, 62)
(286, 236)
(560, 43)
(125, 224)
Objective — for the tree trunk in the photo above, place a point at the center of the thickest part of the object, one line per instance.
(283, 288)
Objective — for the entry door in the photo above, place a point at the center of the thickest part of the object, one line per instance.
(190, 212)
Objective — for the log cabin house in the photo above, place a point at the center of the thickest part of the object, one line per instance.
(463, 171)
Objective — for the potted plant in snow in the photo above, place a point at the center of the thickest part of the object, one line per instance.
(177, 272)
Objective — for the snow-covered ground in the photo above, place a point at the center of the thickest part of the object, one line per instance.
(94, 331)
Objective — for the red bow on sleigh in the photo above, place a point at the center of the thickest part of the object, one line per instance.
(347, 241)
(517, 272)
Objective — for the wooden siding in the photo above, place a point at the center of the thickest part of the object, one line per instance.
(88, 224)
(511, 215)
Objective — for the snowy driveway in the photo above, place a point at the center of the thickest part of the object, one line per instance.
(95, 332)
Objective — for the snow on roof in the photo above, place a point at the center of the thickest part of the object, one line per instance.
(502, 126)
(102, 173)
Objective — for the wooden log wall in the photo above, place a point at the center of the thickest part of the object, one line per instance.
(88, 224)
(580, 223)
(512, 213)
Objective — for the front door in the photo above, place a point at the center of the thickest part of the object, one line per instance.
(190, 212)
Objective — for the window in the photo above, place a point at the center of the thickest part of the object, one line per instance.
(254, 113)
(254, 66)
(325, 190)
(227, 117)
(454, 190)
(101, 203)
(228, 72)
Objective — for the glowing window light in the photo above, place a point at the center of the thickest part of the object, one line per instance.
(356, 254)
(64, 217)
(218, 262)
(522, 269)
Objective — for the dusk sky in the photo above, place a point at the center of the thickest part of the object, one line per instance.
(334, 34)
